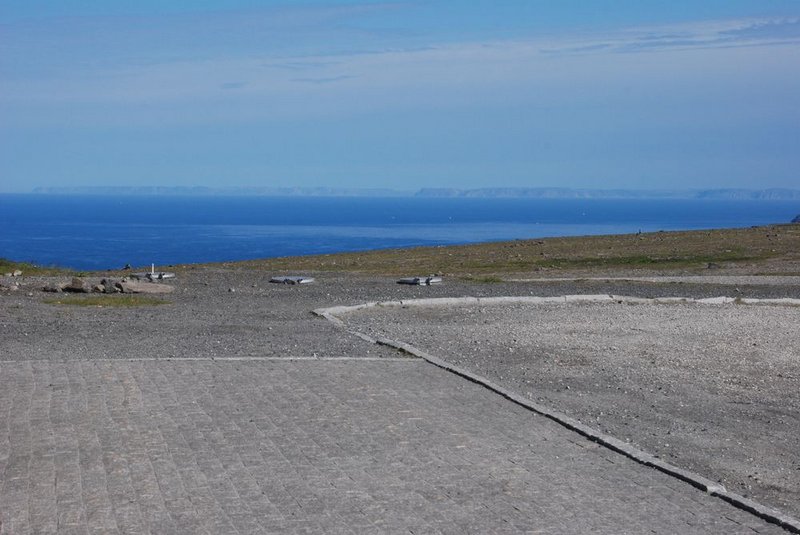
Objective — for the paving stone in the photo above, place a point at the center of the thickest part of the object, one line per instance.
(310, 447)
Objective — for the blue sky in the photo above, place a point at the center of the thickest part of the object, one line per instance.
(598, 94)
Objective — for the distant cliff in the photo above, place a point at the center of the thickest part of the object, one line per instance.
(207, 191)
(774, 194)
(568, 193)
(480, 193)
(549, 193)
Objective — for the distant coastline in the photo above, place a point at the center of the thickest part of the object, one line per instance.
(777, 194)
(231, 192)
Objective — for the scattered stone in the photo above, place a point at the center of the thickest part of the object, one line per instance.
(291, 279)
(135, 287)
(231, 290)
(420, 281)
(153, 275)
(712, 265)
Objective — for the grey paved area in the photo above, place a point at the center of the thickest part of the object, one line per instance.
(311, 447)
(94, 442)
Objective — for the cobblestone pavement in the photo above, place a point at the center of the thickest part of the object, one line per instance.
(359, 446)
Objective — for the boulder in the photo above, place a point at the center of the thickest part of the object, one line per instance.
(796, 219)
(109, 286)
(77, 285)
(135, 287)
(17, 273)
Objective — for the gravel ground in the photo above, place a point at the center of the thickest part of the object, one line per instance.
(204, 318)
(715, 389)
(727, 280)
(692, 390)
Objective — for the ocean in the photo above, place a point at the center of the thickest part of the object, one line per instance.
(98, 232)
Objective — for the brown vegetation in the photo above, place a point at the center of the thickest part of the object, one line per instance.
(772, 249)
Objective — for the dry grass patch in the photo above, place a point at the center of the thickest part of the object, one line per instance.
(654, 251)
(103, 301)
(9, 266)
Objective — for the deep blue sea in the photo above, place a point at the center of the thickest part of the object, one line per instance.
(95, 232)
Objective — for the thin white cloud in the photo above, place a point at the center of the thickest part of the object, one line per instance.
(328, 80)
(446, 75)
(697, 35)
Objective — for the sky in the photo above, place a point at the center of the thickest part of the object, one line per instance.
(370, 94)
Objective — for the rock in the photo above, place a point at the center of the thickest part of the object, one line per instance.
(17, 273)
(796, 219)
(110, 286)
(77, 285)
(134, 287)
(712, 265)
(98, 289)
(54, 288)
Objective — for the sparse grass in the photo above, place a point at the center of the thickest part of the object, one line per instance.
(486, 279)
(9, 266)
(689, 251)
(647, 261)
(110, 301)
